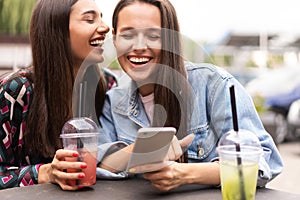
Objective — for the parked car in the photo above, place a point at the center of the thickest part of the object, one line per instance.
(277, 89)
(272, 82)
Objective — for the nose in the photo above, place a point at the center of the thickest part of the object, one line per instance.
(140, 43)
(102, 28)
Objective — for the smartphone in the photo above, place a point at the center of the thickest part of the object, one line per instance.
(151, 146)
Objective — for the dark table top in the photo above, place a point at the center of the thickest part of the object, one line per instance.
(129, 189)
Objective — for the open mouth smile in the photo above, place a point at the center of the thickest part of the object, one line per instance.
(96, 42)
(139, 60)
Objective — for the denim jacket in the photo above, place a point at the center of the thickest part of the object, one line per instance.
(123, 114)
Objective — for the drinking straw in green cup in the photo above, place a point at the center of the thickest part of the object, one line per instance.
(237, 145)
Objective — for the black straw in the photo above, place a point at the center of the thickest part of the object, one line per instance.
(233, 109)
(237, 145)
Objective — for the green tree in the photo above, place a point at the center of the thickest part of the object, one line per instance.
(15, 16)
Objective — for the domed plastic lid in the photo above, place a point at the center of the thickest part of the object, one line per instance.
(242, 137)
(80, 125)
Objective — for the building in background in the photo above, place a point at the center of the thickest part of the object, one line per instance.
(14, 40)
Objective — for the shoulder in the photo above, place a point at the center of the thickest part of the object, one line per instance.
(125, 83)
(207, 78)
(16, 92)
(206, 70)
(16, 84)
(124, 92)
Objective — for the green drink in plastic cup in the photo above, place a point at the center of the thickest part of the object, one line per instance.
(239, 169)
(230, 180)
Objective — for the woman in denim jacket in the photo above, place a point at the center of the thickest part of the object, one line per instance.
(163, 90)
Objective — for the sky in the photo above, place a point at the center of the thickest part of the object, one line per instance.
(210, 20)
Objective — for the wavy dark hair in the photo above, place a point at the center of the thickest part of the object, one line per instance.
(54, 77)
(171, 92)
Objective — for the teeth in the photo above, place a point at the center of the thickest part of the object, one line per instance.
(97, 42)
(139, 60)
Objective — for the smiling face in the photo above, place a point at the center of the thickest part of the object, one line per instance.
(87, 32)
(138, 40)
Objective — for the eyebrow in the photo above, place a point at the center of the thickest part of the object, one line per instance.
(153, 29)
(92, 12)
(126, 28)
(132, 28)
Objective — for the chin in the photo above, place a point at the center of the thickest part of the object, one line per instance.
(141, 76)
(94, 60)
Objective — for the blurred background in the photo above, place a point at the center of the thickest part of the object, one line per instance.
(257, 41)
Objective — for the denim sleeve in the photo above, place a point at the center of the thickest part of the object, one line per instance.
(106, 149)
(108, 143)
(108, 133)
(105, 174)
(270, 164)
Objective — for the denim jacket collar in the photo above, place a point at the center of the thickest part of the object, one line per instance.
(130, 105)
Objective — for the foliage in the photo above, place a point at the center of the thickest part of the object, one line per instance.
(15, 16)
(251, 63)
(259, 102)
(114, 65)
(275, 60)
(220, 60)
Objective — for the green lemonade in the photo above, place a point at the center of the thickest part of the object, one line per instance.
(230, 181)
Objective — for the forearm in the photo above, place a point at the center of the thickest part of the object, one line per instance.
(117, 161)
(15, 177)
(201, 173)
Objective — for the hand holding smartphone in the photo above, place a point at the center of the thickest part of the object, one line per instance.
(151, 147)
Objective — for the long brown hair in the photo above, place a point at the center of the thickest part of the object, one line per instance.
(54, 77)
(171, 90)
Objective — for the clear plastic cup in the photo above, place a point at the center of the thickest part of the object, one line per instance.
(81, 134)
(239, 155)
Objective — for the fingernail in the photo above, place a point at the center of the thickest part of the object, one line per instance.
(132, 170)
(75, 154)
(83, 166)
(80, 186)
(81, 175)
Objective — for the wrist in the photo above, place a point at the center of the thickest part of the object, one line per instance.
(43, 175)
(186, 172)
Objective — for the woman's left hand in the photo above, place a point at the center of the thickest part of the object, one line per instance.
(177, 174)
(168, 178)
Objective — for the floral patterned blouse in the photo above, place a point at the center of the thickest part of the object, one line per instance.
(16, 90)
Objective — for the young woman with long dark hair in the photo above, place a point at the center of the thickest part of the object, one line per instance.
(163, 90)
(66, 39)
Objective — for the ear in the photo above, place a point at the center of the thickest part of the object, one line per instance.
(114, 35)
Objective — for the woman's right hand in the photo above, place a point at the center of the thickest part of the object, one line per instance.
(56, 172)
(177, 147)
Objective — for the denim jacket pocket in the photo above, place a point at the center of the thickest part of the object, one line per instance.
(203, 143)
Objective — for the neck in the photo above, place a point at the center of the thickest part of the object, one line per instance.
(145, 90)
